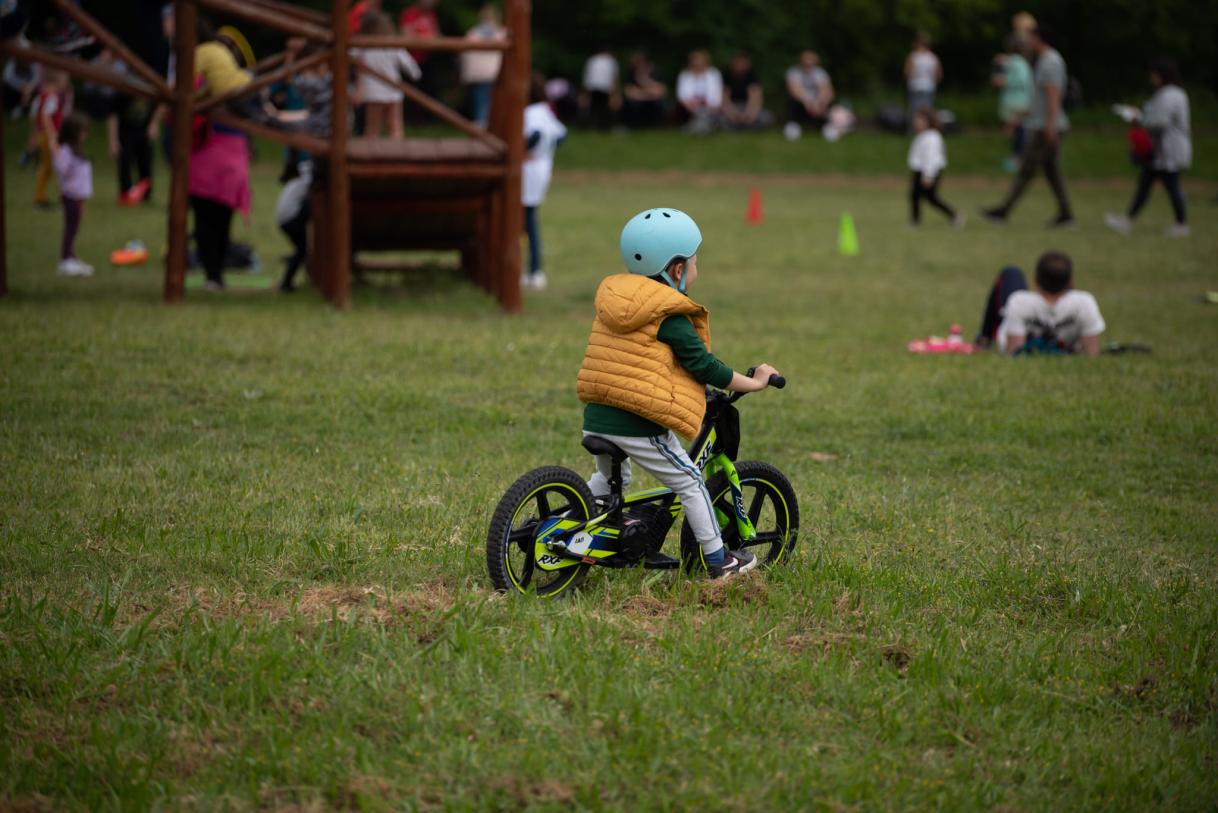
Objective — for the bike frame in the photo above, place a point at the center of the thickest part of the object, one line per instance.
(565, 542)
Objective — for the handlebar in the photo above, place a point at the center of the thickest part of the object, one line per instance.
(776, 381)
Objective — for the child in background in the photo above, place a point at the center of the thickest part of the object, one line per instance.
(53, 103)
(646, 369)
(543, 132)
(927, 160)
(382, 102)
(75, 175)
(292, 214)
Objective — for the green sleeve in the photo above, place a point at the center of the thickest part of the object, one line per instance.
(678, 333)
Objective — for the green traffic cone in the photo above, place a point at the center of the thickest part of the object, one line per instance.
(847, 238)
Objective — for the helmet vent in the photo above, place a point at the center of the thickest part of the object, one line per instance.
(647, 216)
(638, 257)
(666, 214)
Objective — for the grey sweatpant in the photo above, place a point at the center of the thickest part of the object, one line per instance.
(665, 459)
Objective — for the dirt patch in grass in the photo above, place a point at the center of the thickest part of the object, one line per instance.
(823, 642)
(747, 589)
(321, 603)
(529, 792)
(645, 606)
(898, 657)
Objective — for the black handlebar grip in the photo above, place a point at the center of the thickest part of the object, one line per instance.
(777, 382)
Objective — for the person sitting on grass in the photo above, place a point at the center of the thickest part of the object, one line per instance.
(809, 94)
(647, 365)
(1054, 318)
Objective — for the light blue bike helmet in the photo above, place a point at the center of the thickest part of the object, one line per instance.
(654, 238)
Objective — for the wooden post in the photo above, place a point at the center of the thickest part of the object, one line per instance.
(339, 180)
(185, 20)
(3, 240)
(514, 94)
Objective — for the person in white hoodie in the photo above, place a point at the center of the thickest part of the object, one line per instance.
(543, 132)
(1166, 118)
(927, 160)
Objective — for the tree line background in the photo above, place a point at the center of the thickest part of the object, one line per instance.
(1107, 43)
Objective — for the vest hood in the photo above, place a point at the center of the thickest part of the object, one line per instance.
(627, 302)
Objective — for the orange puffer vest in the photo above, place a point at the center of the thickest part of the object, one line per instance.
(627, 367)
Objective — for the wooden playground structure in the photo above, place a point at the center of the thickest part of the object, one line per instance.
(452, 194)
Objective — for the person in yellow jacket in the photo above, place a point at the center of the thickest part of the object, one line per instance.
(644, 376)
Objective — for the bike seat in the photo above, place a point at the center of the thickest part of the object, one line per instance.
(598, 445)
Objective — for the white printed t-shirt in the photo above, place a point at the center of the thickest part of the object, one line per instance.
(1071, 318)
(539, 163)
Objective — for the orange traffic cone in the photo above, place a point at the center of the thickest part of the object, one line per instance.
(754, 215)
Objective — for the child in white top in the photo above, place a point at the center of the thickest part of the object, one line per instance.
(75, 175)
(382, 102)
(543, 132)
(927, 160)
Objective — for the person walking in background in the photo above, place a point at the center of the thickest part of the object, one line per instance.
(809, 94)
(1013, 78)
(743, 107)
(699, 94)
(74, 172)
(480, 69)
(53, 104)
(543, 132)
(218, 184)
(1166, 117)
(923, 73)
(292, 212)
(600, 99)
(927, 160)
(644, 93)
(1046, 124)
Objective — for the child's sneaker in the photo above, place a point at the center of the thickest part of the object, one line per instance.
(1121, 224)
(735, 562)
(72, 267)
(538, 281)
(1178, 230)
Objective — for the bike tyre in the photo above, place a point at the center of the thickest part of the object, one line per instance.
(507, 519)
(761, 477)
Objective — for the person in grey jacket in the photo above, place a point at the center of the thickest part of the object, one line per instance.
(1166, 117)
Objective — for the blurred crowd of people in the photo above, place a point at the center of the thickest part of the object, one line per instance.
(1030, 76)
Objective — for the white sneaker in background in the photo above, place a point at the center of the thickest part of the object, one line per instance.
(1178, 230)
(792, 131)
(959, 220)
(1121, 224)
(66, 268)
(83, 269)
(538, 281)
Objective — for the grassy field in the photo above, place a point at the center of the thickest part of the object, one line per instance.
(241, 540)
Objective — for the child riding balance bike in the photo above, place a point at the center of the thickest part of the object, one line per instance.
(645, 379)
